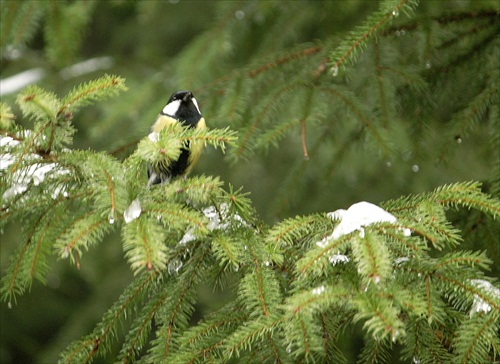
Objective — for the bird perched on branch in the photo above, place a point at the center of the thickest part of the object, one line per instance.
(181, 108)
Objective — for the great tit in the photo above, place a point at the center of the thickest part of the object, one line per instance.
(182, 108)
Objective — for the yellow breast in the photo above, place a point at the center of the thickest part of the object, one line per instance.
(195, 147)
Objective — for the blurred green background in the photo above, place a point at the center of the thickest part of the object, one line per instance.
(164, 46)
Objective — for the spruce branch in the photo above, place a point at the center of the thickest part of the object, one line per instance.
(63, 30)
(140, 329)
(7, 118)
(423, 344)
(464, 121)
(206, 340)
(356, 40)
(382, 317)
(177, 217)
(176, 309)
(165, 146)
(80, 234)
(18, 279)
(301, 53)
(38, 104)
(477, 337)
(86, 93)
(278, 98)
(372, 257)
(19, 21)
(294, 287)
(360, 111)
(316, 260)
(289, 231)
(466, 194)
(99, 342)
(198, 189)
(375, 351)
(259, 290)
(144, 245)
(244, 337)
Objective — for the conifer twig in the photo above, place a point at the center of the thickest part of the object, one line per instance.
(303, 138)
(356, 40)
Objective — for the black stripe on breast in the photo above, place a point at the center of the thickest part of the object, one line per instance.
(178, 167)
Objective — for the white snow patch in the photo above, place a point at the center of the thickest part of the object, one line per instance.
(399, 261)
(337, 214)
(355, 218)
(22, 177)
(36, 174)
(406, 231)
(154, 136)
(479, 305)
(358, 215)
(14, 190)
(188, 236)
(7, 141)
(338, 258)
(133, 211)
(20, 80)
(87, 66)
(318, 290)
(219, 219)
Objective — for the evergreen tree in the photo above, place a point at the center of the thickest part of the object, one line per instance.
(317, 106)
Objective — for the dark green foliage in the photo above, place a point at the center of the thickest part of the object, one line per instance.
(335, 108)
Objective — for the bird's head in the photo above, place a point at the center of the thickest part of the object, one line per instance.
(182, 105)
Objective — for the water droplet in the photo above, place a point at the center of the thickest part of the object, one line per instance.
(9, 305)
(65, 253)
(458, 139)
(174, 266)
(240, 14)
(111, 216)
(246, 247)
(395, 12)
(267, 263)
(428, 64)
(388, 164)
(335, 71)
(415, 168)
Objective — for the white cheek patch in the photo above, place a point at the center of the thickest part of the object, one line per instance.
(172, 107)
(196, 104)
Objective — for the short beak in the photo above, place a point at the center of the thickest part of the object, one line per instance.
(188, 96)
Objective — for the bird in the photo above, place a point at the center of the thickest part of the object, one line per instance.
(182, 108)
